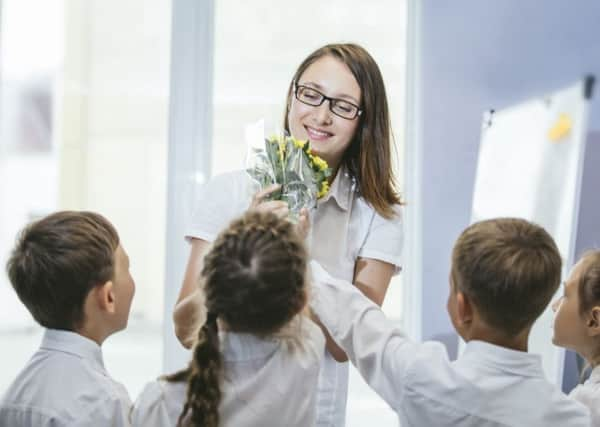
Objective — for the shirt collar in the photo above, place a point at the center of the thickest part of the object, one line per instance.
(341, 189)
(594, 376)
(241, 347)
(484, 354)
(74, 344)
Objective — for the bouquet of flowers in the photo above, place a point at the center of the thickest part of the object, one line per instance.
(290, 162)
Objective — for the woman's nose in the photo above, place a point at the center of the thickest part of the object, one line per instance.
(323, 113)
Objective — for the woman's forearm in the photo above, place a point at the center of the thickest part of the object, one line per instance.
(188, 314)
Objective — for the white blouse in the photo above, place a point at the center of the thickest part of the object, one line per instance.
(267, 382)
(588, 393)
(344, 227)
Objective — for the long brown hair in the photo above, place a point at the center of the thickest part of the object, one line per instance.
(254, 280)
(368, 158)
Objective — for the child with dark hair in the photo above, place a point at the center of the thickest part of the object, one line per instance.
(503, 275)
(72, 274)
(577, 325)
(256, 360)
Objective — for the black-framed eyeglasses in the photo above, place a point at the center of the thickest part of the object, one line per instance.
(340, 107)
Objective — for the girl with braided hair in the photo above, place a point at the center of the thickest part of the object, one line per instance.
(256, 357)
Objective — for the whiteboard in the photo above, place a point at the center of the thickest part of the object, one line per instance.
(530, 166)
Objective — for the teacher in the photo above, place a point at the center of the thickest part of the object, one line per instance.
(337, 101)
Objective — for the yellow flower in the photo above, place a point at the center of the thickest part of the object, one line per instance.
(321, 164)
(298, 143)
(324, 189)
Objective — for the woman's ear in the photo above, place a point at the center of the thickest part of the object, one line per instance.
(593, 323)
(105, 296)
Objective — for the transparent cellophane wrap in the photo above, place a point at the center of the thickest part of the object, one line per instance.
(277, 158)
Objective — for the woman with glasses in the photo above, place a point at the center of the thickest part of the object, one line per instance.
(337, 101)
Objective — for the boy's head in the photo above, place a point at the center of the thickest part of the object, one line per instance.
(71, 272)
(505, 271)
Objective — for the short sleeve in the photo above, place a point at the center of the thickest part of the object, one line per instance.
(385, 239)
(219, 201)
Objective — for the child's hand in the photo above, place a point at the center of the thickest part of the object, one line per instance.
(278, 207)
(303, 224)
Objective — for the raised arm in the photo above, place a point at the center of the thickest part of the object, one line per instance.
(379, 349)
(372, 277)
(189, 313)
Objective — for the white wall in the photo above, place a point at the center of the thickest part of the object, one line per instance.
(475, 56)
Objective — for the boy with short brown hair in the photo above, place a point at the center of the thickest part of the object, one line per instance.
(71, 272)
(504, 272)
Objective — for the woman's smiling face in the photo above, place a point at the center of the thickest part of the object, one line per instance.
(329, 134)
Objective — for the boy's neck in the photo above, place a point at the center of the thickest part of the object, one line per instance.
(591, 354)
(517, 342)
(93, 332)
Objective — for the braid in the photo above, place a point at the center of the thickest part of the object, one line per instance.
(204, 391)
(254, 281)
(255, 272)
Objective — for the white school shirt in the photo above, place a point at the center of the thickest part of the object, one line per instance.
(267, 382)
(344, 227)
(65, 384)
(588, 393)
(487, 386)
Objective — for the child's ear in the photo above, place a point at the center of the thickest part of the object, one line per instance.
(593, 322)
(464, 308)
(105, 296)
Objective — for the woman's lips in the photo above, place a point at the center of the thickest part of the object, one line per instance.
(316, 134)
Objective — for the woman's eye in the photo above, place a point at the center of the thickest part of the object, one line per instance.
(309, 94)
(344, 107)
